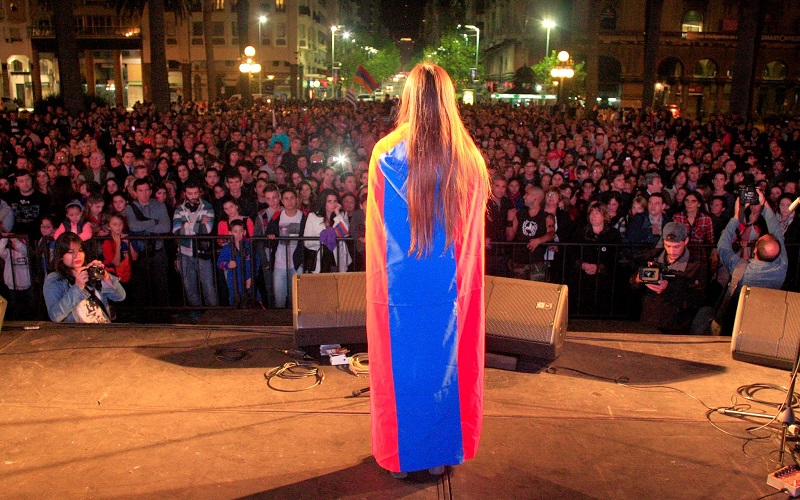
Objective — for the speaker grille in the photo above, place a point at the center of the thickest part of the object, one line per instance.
(522, 310)
(522, 317)
(767, 327)
(352, 299)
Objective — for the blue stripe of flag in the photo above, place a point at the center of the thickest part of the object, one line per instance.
(422, 305)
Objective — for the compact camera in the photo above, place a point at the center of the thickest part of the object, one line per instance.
(95, 273)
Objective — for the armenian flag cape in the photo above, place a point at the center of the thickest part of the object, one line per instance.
(425, 326)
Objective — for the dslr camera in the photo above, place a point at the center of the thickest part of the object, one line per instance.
(95, 273)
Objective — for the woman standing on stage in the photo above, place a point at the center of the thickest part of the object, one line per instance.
(428, 187)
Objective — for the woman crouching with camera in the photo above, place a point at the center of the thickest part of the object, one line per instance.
(77, 292)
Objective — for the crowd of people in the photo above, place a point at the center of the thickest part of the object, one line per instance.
(591, 198)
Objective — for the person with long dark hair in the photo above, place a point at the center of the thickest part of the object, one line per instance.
(428, 187)
(326, 224)
(74, 295)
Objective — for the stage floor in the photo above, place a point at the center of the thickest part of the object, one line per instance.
(150, 412)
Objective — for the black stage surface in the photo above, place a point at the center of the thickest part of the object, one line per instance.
(151, 412)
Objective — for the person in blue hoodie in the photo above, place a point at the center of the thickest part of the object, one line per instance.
(238, 262)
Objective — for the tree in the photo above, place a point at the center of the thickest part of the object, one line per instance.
(456, 54)
(159, 74)
(69, 69)
(242, 25)
(382, 61)
(385, 63)
(592, 53)
(652, 39)
(748, 37)
(211, 74)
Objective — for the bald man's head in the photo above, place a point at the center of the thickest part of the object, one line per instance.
(768, 248)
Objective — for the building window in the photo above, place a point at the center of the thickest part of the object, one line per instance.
(692, 21)
(234, 29)
(16, 66)
(217, 28)
(280, 6)
(219, 4)
(608, 19)
(197, 28)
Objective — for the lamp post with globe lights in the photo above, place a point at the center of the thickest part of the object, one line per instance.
(564, 69)
(248, 67)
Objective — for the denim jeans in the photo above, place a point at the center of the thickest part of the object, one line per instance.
(283, 278)
(198, 273)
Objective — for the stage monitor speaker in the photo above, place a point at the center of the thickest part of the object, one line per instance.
(526, 318)
(522, 317)
(329, 308)
(767, 327)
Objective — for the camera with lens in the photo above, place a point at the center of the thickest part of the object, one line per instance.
(96, 273)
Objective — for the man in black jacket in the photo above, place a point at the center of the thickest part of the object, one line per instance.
(497, 208)
(671, 301)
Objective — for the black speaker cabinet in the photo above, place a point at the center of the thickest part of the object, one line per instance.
(522, 317)
(767, 327)
(525, 317)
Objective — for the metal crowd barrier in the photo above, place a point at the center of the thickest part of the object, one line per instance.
(157, 286)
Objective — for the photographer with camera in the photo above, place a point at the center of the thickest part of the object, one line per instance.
(764, 263)
(77, 292)
(673, 282)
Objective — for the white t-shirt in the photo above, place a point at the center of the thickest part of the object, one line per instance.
(288, 226)
(89, 311)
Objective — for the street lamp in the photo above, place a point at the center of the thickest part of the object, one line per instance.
(249, 67)
(564, 69)
(549, 24)
(261, 20)
(477, 43)
(333, 56)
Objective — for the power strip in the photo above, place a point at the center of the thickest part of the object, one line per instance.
(786, 478)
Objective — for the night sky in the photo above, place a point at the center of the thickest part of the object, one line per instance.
(403, 17)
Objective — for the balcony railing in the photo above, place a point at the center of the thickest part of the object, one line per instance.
(88, 32)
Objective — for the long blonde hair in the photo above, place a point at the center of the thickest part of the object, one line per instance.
(439, 150)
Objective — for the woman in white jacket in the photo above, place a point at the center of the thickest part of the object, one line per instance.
(327, 225)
